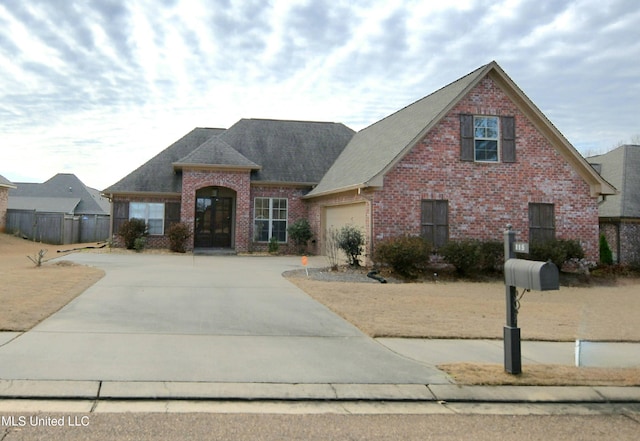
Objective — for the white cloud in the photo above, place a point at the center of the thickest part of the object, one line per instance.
(97, 90)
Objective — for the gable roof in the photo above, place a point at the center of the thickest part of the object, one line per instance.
(4, 182)
(277, 150)
(217, 153)
(157, 175)
(65, 189)
(374, 150)
(621, 167)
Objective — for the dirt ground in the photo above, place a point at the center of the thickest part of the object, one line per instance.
(29, 294)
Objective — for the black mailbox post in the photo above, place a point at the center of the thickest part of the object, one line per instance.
(526, 274)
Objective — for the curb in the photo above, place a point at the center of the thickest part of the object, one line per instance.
(159, 390)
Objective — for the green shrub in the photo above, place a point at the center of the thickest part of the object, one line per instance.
(139, 243)
(606, 256)
(491, 256)
(274, 246)
(464, 255)
(131, 230)
(351, 241)
(406, 255)
(178, 234)
(556, 250)
(300, 233)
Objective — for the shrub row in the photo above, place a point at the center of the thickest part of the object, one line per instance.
(409, 256)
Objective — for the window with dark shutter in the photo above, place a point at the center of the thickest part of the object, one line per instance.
(120, 214)
(508, 141)
(541, 223)
(435, 222)
(467, 146)
(479, 138)
(171, 214)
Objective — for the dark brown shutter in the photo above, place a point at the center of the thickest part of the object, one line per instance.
(120, 214)
(171, 214)
(435, 222)
(541, 223)
(466, 138)
(508, 128)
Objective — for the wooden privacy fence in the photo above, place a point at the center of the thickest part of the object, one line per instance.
(57, 228)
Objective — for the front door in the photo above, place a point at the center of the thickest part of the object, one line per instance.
(213, 222)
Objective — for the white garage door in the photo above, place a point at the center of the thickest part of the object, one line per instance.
(340, 215)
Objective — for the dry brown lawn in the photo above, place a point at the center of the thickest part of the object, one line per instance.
(478, 310)
(29, 294)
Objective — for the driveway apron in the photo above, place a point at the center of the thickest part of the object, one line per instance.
(201, 319)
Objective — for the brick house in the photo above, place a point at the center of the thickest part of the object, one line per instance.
(620, 213)
(235, 188)
(462, 162)
(5, 185)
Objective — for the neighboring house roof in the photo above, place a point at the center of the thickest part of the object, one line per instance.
(157, 175)
(295, 152)
(5, 183)
(63, 186)
(621, 167)
(374, 150)
(44, 204)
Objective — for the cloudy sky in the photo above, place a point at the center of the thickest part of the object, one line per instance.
(98, 87)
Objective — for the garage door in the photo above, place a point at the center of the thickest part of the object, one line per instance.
(340, 215)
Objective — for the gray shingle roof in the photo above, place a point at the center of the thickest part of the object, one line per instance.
(215, 151)
(157, 175)
(60, 186)
(286, 151)
(44, 204)
(276, 151)
(621, 167)
(374, 148)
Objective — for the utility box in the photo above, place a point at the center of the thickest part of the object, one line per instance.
(531, 274)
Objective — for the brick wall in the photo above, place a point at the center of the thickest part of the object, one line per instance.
(485, 197)
(4, 203)
(297, 209)
(152, 241)
(239, 181)
(630, 242)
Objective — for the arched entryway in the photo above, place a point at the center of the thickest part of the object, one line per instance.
(214, 221)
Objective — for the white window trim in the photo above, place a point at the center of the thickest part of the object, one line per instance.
(146, 214)
(270, 218)
(497, 139)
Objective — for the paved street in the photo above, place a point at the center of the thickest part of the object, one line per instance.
(188, 318)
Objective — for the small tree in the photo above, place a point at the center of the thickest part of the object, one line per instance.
(351, 241)
(606, 256)
(131, 230)
(300, 233)
(332, 249)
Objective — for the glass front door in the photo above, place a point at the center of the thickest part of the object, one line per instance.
(213, 222)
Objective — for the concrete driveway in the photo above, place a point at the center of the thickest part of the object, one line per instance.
(201, 319)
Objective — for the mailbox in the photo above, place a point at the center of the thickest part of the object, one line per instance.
(531, 274)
